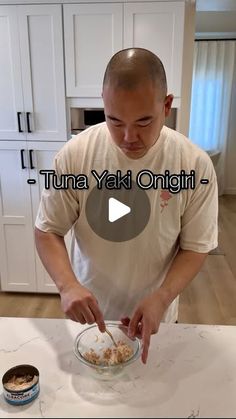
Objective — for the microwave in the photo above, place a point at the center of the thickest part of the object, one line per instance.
(82, 118)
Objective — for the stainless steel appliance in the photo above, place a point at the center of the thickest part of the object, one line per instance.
(82, 118)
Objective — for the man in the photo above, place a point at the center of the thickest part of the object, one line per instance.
(139, 280)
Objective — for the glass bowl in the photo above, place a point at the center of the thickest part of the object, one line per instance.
(91, 343)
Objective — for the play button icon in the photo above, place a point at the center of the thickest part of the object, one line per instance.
(118, 214)
(116, 210)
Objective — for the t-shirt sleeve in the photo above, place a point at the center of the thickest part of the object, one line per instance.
(59, 208)
(199, 223)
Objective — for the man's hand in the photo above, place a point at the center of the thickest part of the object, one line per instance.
(80, 305)
(146, 320)
(77, 302)
(149, 312)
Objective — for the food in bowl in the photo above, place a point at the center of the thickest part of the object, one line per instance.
(112, 355)
(97, 351)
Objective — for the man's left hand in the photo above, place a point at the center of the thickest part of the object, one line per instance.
(145, 321)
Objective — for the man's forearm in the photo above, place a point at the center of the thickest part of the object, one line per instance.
(183, 269)
(53, 254)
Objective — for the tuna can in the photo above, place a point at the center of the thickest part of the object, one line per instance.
(21, 384)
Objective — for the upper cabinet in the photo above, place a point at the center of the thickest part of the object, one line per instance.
(32, 85)
(159, 27)
(94, 32)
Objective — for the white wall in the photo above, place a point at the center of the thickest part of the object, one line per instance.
(216, 21)
(183, 114)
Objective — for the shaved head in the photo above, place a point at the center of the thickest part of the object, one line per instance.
(131, 67)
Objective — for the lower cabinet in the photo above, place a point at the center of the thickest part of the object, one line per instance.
(20, 190)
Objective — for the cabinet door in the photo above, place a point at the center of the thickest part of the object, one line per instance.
(41, 47)
(11, 99)
(93, 33)
(159, 27)
(41, 159)
(17, 260)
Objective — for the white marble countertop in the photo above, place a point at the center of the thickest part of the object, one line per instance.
(191, 372)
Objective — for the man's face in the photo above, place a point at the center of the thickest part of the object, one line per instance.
(135, 117)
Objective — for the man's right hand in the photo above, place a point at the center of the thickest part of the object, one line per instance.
(80, 305)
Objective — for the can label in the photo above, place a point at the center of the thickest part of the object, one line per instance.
(21, 397)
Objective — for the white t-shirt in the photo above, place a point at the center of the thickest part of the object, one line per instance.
(121, 273)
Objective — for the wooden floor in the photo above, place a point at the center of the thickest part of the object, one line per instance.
(209, 299)
(211, 296)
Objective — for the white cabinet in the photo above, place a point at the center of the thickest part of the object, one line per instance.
(94, 32)
(32, 121)
(159, 27)
(32, 85)
(16, 225)
(21, 268)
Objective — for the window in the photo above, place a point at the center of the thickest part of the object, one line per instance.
(211, 93)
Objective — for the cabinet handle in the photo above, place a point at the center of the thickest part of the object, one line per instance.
(31, 159)
(22, 159)
(28, 121)
(19, 124)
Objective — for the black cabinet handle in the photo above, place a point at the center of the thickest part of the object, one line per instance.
(19, 124)
(22, 159)
(28, 121)
(31, 159)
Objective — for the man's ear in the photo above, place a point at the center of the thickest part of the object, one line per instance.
(168, 103)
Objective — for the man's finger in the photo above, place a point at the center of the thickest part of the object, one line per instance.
(146, 336)
(88, 315)
(134, 323)
(139, 331)
(125, 321)
(98, 317)
(80, 318)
